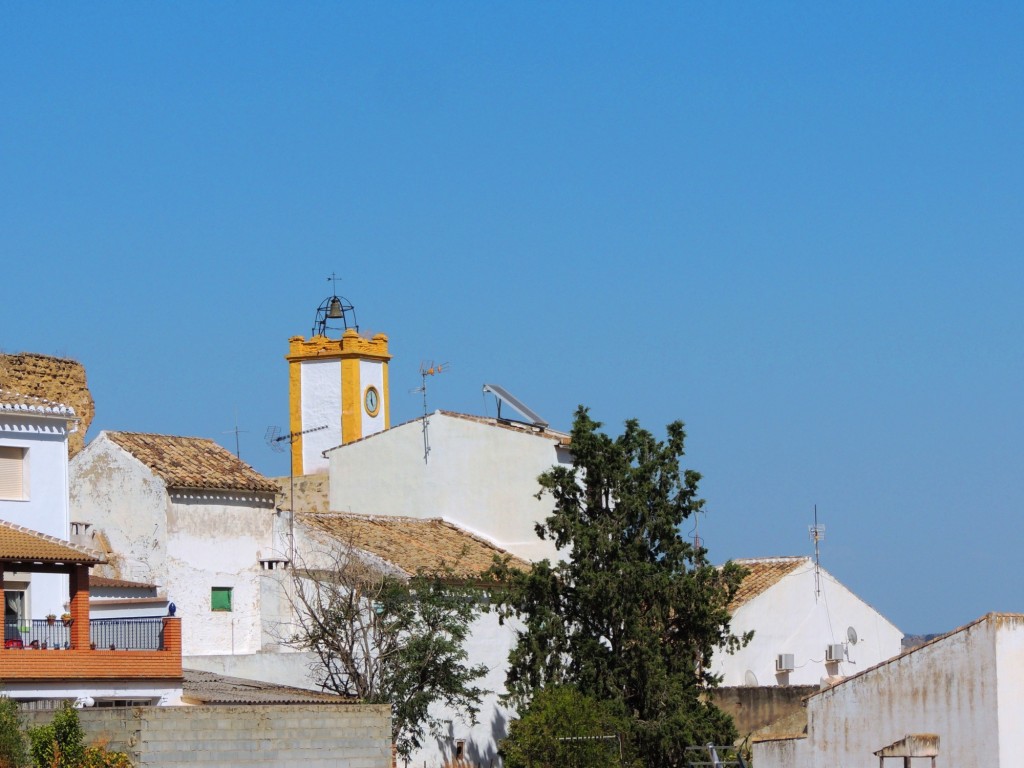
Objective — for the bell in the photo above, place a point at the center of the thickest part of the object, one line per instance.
(334, 311)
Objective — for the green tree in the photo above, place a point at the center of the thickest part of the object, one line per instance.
(60, 743)
(562, 728)
(636, 611)
(13, 750)
(390, 640)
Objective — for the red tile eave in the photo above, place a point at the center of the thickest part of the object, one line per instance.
(78, 666)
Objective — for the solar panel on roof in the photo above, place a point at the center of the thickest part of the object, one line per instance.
(504, 396)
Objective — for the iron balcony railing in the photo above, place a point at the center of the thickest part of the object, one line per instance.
(146, 634)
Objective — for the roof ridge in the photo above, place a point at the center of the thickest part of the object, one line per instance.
(45, 405)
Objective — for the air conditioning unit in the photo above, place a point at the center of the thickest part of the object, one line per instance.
(835, 652)
(784, 662)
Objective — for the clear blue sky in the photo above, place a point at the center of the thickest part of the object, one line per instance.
(797, 227)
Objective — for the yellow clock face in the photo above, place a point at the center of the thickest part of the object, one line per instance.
(371, 401)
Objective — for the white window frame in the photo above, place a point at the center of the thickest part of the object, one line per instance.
(13, 473)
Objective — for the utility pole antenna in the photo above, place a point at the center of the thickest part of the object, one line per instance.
(817, 536)
(428, 370)
(236, 432)
(276, 441)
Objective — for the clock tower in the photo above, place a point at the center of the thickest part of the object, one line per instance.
(337, 387)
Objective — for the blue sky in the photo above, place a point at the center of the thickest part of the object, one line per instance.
(796, 227)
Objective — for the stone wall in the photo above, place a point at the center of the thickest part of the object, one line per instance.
(757, 708)
(270, 735)
(52, 378)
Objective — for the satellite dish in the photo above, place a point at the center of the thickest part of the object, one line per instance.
(750, 679)
(851, 635)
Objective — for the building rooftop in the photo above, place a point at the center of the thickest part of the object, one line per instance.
(413, 544)
(211, 688)
(11, 401)
(763, 573)
(20, 544)
(192, 462)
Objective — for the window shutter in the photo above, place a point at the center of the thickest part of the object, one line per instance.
(220, 599)
(12, 472)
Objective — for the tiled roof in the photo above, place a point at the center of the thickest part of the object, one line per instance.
(211, 688)
(413, 544)
(108, 583)
(192, 462)
(763, 573)
(20, 544)
(16, 402)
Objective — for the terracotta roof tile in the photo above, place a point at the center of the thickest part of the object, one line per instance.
(412, 544)
(108, 583)
(763, 574)
(20, 544)
(192, 462)
(15, 401)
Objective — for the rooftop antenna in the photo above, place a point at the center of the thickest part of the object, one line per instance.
(276, 441)
(817, 536)
(334, 308)
(428, 370)
(237, 431)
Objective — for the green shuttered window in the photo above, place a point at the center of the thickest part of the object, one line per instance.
(220, 599)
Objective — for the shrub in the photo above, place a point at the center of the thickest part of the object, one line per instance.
(13, 750)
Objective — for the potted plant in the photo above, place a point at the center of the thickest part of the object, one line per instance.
(66, 619)
(51, 618)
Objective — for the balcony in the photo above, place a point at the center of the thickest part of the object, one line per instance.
(145, 634)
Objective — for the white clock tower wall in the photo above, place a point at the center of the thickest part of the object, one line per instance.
(321, 406)
(371, 374)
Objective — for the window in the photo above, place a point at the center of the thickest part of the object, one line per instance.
(12, 472)
(220, 599)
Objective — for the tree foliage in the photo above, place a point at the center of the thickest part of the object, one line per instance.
(636, 611)
(390, 640)
(13, 750)
(562, 728)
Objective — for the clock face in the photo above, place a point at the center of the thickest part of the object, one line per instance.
(371, 401)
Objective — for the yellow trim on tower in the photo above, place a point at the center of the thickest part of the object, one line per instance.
(295, 411)
(386, 396)
(351, 401)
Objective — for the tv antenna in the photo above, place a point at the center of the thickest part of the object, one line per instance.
(276, 442)
(236, 432)
(817, 533)
(334, 308)
(428, 370)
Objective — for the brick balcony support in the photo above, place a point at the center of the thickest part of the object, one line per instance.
(78, 586)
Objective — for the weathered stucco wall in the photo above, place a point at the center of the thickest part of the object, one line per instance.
(957, 687)
(754, 708)
(315, 736)
(480, 476)
(53, 378)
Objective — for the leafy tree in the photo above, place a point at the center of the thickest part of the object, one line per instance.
(562, 728)
(390, 640)
(13, 751)
(635, 613)
(60, 743)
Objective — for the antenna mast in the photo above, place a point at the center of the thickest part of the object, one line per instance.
(428, 370)
(817, 536)
(275, 440)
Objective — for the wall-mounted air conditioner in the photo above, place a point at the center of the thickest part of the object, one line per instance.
(784, 662)
(835, 652)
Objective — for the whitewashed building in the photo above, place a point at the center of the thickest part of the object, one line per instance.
(479, 473)
(34, 493)
(807, 626)
(958, 700)
(187, 515)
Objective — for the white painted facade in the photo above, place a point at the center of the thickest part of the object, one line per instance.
(371, 374)
(185, 541)
(321, 407)
(480, 475)
(40, 433)
(801, 615)
(967, 687)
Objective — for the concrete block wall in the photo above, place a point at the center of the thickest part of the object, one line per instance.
(273, 735)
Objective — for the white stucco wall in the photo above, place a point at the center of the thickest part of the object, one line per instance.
(479, 476)
(46, 507)
(371, 374)
(967, 687)
(790, 618)
(184, 542)
(320, 395)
